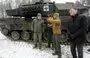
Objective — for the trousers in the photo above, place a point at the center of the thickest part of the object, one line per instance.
(56, 45)
(38, 39)
(79, 50)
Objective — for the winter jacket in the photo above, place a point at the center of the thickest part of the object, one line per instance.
(77, 29)
(49, 25)
(38, 25)
(56, 24)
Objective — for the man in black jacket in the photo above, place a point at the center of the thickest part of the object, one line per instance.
(77, 32)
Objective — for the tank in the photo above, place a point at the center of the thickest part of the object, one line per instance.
(19, 25)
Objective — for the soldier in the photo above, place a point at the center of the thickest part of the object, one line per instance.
(38, 30)
(56, 28)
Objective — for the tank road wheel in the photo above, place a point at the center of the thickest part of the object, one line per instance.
(15, 35)
(25, 35)
(88, 37)
(4, 31)
(63, 37)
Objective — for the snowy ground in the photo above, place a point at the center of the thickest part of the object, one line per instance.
(14, 49)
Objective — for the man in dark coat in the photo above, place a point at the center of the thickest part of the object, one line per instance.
(77, 32)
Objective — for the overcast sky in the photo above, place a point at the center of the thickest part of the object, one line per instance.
(63, 1)
(59, 1)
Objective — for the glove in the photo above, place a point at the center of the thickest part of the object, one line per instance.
(68, 40)
(71, 36)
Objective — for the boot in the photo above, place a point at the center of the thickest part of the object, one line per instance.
(55, 53)
(35, 46)
(59, 57)
(40, 46)
(88, 50)
(47, 46)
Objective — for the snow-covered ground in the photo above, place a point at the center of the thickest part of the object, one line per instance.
(14, 49)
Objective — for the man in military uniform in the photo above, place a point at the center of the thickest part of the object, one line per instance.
(38, 30)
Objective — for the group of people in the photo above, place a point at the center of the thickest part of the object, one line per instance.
(76, 32)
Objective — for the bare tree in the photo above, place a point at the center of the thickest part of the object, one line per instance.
(2, 8)
(17, 2)
(4, 5)
(84, 2)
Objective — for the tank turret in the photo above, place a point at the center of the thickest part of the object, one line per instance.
(30, 10)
